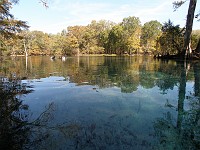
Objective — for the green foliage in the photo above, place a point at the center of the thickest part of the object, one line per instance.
(98, 37)
(151, 31)
(172, 39)
(9, 27)
(102, 37)
(124, 37)
(131, 25)
(131, 34)
(8, 24)
(115, 40)
(195, 38)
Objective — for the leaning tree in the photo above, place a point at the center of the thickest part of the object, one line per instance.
(189, 23)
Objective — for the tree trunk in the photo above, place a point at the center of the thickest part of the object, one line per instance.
(196, 79)
(189, 24)
(25, 50)
(181, 96)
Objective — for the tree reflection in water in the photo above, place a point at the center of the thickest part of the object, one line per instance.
(177, 129)
(14, 114)
(185, 132)
(16, 130)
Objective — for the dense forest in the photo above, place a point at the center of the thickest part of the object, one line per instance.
(128, 37)
(102, 37)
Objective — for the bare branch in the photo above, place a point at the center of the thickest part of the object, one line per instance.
(45, 3)
(178, 4)
(197, 16)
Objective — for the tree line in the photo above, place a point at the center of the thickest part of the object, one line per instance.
(102, 37)
(99, 37)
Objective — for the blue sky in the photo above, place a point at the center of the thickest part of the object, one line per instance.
(64, 13)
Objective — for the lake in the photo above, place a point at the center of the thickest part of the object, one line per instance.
(99, 103)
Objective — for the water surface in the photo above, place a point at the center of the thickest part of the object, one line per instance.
(99, 103)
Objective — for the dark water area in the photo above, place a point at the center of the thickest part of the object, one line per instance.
(99, 103)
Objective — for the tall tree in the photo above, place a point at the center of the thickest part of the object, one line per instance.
(115, 40)
(131, 33)
(75, 33)
(171, 40)
(150, 33)
(189, 23)
(8, 24)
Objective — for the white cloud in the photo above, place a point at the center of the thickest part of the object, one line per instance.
(89, 11)
(82, 13)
